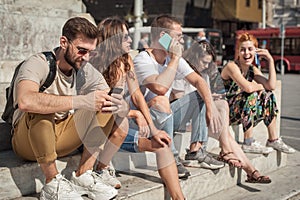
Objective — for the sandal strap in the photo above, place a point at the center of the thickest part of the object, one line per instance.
(255, 171)
(234, 159)
(222, 155)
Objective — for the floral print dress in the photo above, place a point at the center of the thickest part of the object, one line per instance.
(249, 109)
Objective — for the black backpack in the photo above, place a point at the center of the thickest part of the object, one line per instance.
(9, 107)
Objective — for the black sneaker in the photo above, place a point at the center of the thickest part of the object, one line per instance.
(182, 171)
(202, 159)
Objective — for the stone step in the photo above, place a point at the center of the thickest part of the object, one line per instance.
(137, 171)
(19, 178)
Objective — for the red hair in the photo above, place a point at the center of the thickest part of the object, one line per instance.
(247, 37)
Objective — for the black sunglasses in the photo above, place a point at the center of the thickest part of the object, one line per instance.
(83, 51)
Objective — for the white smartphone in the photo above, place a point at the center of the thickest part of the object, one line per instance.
(165, 41)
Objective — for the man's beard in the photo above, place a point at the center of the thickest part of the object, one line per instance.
(68, 59)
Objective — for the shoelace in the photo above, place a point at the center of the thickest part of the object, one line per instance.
(281, 143)
(95, 176)
(65, 184)
(98, 177)
(111, 172)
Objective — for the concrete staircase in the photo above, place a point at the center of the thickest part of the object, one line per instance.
(137, 172)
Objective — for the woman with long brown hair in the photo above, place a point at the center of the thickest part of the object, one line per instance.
(116, 65)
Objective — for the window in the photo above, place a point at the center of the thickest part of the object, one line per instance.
(259, 4)
(275, 44)
(247, 3)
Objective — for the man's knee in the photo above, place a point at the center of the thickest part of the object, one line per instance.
(35, 118)
(160, 103)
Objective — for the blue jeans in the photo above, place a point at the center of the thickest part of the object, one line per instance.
(190, 107)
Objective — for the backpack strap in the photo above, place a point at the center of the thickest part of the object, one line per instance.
(51, 60)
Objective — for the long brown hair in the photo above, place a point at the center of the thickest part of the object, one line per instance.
(111, 55)
(196, 52)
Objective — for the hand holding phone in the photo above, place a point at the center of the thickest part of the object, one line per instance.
(115, 91)
(165, 41)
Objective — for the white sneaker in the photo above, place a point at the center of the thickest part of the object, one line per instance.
(91, 185)
(280, 146)
(256, 147)
(108, 176)
(59, 188)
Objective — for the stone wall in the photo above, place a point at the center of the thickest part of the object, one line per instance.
(28, 27)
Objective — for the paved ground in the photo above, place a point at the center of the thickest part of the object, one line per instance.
(290, 114)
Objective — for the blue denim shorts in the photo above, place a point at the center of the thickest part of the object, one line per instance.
(130, 143)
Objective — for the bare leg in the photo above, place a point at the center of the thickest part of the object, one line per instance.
(272, 130)
(237, 150)
(49, 170)
(228, 143)
(227, 153)
(247, 166)
(116, 138)
(86, 162)
(248, 133)
(195, 146)
(166, 166)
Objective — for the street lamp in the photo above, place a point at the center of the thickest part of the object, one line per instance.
(263, 14)
(137, 18)
(138, 11)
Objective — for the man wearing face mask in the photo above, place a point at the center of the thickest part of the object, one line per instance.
(54, 123)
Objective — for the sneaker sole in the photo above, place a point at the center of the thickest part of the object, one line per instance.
(85, 192)
(184, 176)
(257, 152)
(196, 164)
(288, 152)
(44, 196)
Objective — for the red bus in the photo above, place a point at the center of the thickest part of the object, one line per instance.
(270, 39)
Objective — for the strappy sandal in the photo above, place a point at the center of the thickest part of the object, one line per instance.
(260, 179)
(230, 161)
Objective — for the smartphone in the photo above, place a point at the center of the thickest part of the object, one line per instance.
(115, 90)
(165, 41)
(257, 63)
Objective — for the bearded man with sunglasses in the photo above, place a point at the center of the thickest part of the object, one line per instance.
(71, 112)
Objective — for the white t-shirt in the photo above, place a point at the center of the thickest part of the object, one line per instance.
(146, 66)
